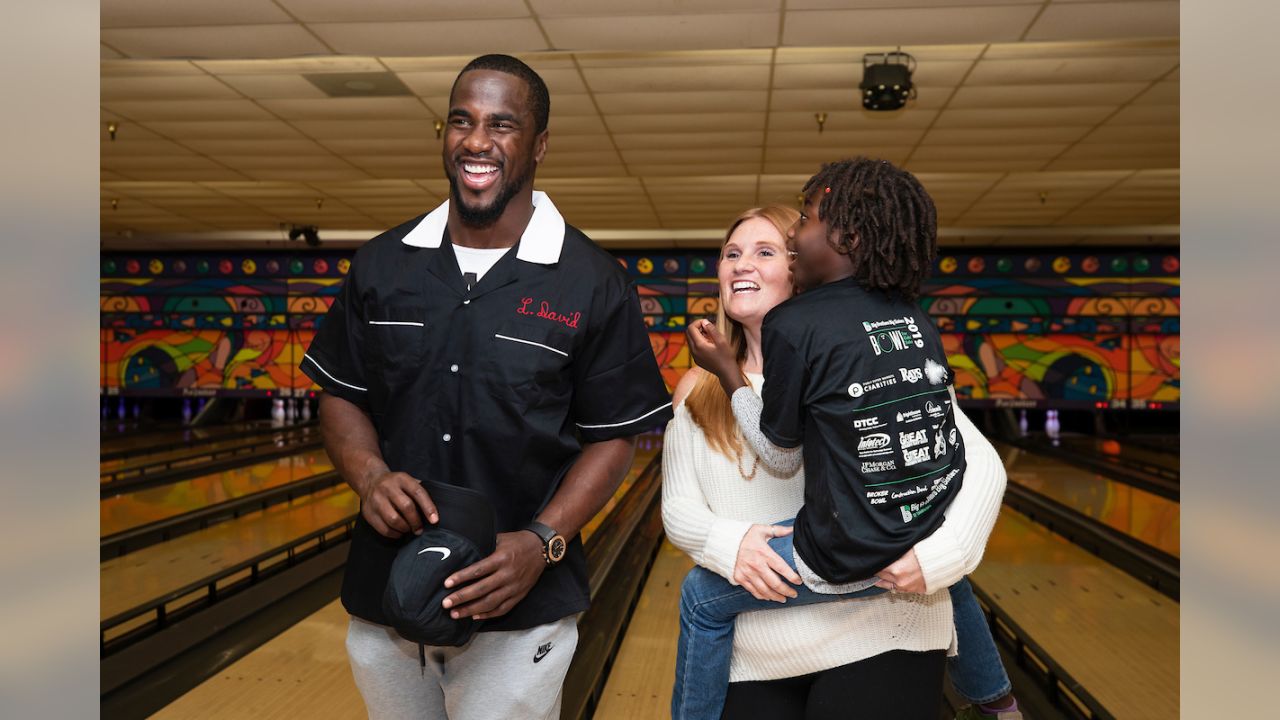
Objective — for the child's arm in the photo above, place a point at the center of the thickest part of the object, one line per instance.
(955, 548)
(747, 407)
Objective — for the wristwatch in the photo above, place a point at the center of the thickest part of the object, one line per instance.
(553, 545)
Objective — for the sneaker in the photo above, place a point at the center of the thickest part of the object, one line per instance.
(973, 712)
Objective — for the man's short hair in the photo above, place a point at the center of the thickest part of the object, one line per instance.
(539, 98)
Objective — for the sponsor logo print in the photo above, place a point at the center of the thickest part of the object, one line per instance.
(877, 497)
(911, 375)
(859, 389)
(444, 551)
(542, 652)
(888, 336)
(913, 438)
(936, 372)
(909, 416)
(934, 409)
(870, 423)
(876, 466)
(939, 445)
(907, 515)
(952, 437)
(874, 444)
(915, 456)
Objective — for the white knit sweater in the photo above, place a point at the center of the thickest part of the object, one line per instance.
(707, 507)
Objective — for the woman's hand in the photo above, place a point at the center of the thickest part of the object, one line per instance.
(904, 575)
(713, 353)
(761, 570)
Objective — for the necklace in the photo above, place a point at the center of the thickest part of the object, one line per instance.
(755, 465)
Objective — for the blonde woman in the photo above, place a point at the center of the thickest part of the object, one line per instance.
(883, 655)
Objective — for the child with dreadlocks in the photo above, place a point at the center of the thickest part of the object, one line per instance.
(857, 386)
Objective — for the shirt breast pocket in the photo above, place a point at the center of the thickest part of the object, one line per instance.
(396, 337)
(528, 362)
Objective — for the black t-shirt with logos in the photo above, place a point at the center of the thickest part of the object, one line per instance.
(861, 379)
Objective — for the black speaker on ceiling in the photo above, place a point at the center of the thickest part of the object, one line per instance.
(886, 81)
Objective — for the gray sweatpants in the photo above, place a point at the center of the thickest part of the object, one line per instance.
(496, 676)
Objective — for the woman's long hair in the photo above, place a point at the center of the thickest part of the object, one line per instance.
(707, 403)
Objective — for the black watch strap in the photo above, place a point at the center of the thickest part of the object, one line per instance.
(553, 546)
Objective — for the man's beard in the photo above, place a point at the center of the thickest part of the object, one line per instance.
(483, 217)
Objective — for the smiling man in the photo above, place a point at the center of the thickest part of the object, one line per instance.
(487, 345)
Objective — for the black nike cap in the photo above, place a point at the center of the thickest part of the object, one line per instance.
(415, 589)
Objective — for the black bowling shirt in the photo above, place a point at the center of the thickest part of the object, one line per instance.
(862, 380)
(492, 388)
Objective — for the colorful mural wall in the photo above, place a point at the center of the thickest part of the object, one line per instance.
(1030, 329)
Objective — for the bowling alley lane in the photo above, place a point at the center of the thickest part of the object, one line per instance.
(198, 451)
(1144, 516)
(1113, 447)
(1111, 633)
(134, 509)
(143, 441)
(151, 572)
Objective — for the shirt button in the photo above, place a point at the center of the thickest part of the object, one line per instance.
(466, 302)
(453, 368)
(447, 437)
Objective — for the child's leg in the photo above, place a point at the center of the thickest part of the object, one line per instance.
(976, 671)
(709, 605)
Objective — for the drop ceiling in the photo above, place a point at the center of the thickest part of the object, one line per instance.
(1059, 119)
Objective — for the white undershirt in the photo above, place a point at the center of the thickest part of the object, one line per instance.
(477, 260)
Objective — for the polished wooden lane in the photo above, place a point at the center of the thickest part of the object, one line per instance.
(1117, 447)
(123, 512)
(1114, 635)
(644, 455)
(1145, 516)
(639, 685)
(142, 441)
(303, 672)
(152, 572)
(198, 451)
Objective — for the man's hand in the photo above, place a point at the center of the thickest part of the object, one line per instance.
(394, 503)
(904, 575)
(760, 570)
(713, 353)
(495, 584)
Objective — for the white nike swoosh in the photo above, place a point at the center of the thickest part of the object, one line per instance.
(444, 551)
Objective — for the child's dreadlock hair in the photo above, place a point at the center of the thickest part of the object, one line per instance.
(881, 216)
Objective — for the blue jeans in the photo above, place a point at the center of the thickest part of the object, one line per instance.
(709, 604)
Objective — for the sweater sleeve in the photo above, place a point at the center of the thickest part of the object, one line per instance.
(747, 407)
(955, 548)
(712, 541)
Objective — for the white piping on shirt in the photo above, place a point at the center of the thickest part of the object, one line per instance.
(331, 377)
(660, 408)
(397, 322)
(530, 342)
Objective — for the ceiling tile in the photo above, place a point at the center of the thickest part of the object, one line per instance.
(677, 123)
(579, 8)
(1003, 136)
(853, 120)
(1056, 95)
(314, 11)
(1106, 20)
(663, 32)
(225, 129)
(1022, 117)
(222, 41)
(164, 87)
(677, 78)
(168, 14)
(888, 28)
(383, 108)
(438, 37)
(1032, 71)
(202, 110)
(262, 87)
(1146, 115)
(685, 102)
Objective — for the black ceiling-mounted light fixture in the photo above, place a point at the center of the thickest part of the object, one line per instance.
(886, 80)
(307, 233)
